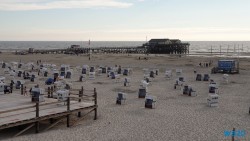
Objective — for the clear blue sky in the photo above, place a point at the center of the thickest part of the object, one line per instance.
(122, 20)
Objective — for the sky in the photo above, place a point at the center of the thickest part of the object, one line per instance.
(124, 20)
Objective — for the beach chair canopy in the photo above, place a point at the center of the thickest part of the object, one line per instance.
(49, 81)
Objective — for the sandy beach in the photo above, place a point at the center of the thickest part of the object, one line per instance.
(175, 118)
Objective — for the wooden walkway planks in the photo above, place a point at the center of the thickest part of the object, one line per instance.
(28, 115)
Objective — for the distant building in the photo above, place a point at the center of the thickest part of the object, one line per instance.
(167, 46)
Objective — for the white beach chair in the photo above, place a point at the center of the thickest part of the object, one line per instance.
(117, 78)
(168, 74)
(144, 84)
(212, 100)
(99, 72)
(91, 75)
(62, 95)
(178, 72)
(225, 78)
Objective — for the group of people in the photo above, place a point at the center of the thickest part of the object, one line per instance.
(205, 64)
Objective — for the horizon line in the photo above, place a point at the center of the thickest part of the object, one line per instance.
(120, 40)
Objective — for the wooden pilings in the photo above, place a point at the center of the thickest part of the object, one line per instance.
(95, 97)
(50, 91)
(80, 99)
(163, 49)
(37, 116)
(68, 109)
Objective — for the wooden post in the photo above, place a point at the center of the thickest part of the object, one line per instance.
(48, 92)
(233, 134)
(37, 116)
(21, 89)
(51, 120)
(68, 109)
(51, 91)
(95, 96)
(80, 100)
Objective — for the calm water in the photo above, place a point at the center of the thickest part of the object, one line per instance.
(195, 46)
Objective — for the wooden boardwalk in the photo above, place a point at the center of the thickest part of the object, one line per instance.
(113, 50)
(18, 110)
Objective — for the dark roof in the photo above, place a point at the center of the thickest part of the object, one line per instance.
(159, 40)
(175, 40)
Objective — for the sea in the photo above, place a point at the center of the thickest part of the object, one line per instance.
(195, 46)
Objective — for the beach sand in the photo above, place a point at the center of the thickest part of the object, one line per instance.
(175, 118)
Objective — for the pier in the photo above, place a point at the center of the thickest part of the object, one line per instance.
(154, 46)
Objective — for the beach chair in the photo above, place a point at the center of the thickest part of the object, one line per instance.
(152, 74)
(121, 98)
(32, 78)
(92, 69)
(225, 78)
(150, 102)
(62, 95)
(12, 73)
(181, 79)
(206, 77)
(178, 72)
(62, 74)
(84, 71)
(91, 75)
(37, 94)
(198, 77)
(109, 69)
(186, 90)
(18, 84)
(117, 78)
(212, 100)
(146, 72)
(3, 65)
(213, 88)
(19, 74)
(2, 88)
(104, 70)
(147, 79)
(168, 74)
(2, 78)
(6, 71)
(82, 77)
(178, 84)
(49, 81)
(142, 92)
(119, 70)
(7, 89)
(99, 72)
(56, 75)
(69, 73)
(144, 84)
(125, 72)
(45, 74)
(112, 75)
